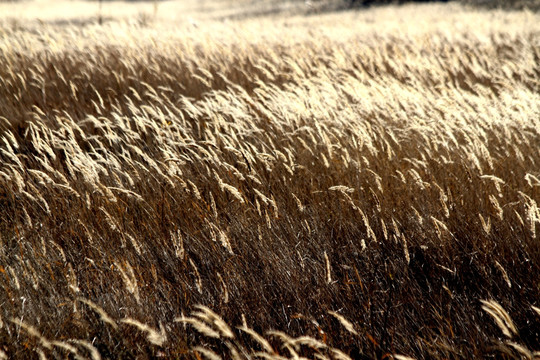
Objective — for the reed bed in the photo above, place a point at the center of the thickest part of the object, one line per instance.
(357, 184)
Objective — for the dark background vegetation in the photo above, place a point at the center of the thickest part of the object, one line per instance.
(505, 4)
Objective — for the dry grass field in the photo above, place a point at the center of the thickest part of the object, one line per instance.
(202, 180)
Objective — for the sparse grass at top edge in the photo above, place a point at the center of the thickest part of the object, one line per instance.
(532, 5)
(346, 185)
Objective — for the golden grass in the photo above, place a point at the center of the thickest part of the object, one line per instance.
(341, 185)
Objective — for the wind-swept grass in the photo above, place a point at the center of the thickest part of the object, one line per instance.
(333, 186)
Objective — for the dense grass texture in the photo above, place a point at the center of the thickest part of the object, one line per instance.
(358, 184)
